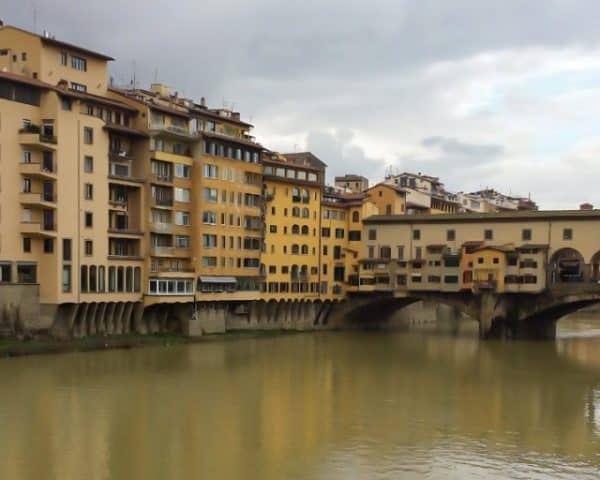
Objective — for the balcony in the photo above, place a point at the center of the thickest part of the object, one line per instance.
(122, 171)
(173, 130)
(160, 251)
(161, 178)
(162, 202)
(37, 229)
(42, 170)
(38, 199)
(35, 137)
(161, 227)
(125, 232)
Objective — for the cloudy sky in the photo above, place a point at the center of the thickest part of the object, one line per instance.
(482, 93)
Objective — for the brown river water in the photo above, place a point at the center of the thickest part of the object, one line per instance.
(333, 405)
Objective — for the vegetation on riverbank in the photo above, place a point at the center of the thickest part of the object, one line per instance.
(12, 347)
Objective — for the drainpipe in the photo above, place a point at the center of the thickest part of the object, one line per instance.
(78, 212)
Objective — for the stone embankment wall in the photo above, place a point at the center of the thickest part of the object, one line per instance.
(21, 314)
(19, 309)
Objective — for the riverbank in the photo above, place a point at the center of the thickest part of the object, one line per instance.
(14, 347)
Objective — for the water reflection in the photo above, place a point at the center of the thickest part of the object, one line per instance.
(332, 405)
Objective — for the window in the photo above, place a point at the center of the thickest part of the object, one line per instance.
(182, 194)
(183, 218)
(89, 191)
(496, 260)
(88, 164)
(26, 273)
(416, 234)
(339, 233)
(371, 251)
(183, 241)
(79, 63)
(27, 244)
(355, 217)
(88, 247)
(337, 252)
(210, 171)
(372, 234)
(209, 241)
(211, 195)
(83, 281)
(89, 219)
(526, 234)
(62, 58)
(272, 228)
(78, 87)
(400, 250)
(354, 235)
(66, 247)
(209, 218)
(480, 260)
(209, 261)
(88, 135)
(24, 56)
(488, 234)
(326, 232)
(65, 103)
(450, 235)
(48, 245)
(568, 234)
(66, 279)
(5, 272)
(183, 171)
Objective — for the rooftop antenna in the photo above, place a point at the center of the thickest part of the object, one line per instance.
(134, 81)
(34, 8)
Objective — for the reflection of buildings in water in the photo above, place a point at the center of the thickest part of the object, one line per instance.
(584, 351)
(592, 410)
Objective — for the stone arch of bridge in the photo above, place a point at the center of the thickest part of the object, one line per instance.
(567, 265)
(367, 311)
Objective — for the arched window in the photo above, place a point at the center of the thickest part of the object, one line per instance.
(295, 230)
(294, 271)
(83, 280)
(355, 217)
(137, 279)
(295, 249)
(304, 269)
(93, 278)
(120, 280)
(304, 249)
(129, 279)
(305, 213)
(295, 195)
(304, 230)
(112, 284)
(101, 281)
(296, 212)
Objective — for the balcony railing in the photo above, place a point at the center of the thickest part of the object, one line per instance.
(171, 128)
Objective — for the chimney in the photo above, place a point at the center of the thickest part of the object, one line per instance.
(586, 206)
(203, 102)
(62, 83)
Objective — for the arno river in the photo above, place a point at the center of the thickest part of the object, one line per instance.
(351, 405)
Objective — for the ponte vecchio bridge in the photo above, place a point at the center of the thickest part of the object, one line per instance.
(517, 273)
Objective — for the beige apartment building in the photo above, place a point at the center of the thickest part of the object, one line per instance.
(58, 224)
(524, 251)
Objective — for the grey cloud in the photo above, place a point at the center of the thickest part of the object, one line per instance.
(305, 69)
(452, 146)
(341, 155)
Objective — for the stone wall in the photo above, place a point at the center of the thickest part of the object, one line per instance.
(20, 309)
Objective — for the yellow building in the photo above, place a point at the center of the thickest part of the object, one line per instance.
(293, 187)
(389, 199)
(341, 237)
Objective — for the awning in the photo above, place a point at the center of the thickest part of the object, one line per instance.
(206, 279)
